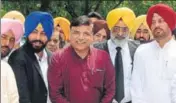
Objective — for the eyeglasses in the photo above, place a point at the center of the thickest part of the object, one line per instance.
(122, 29)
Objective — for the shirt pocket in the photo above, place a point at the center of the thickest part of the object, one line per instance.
(98, 78)
(170, 69)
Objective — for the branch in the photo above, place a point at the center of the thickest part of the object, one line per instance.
(98, 5)
(70, 9)
(86, 9)
(118, 4)
(45, 5)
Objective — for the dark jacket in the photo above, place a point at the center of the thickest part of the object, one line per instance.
(30, 83)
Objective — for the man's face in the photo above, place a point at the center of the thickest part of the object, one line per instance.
(38, 39)
(120, 31)
(81, 37)
(61, 33)
(142, 33)
(53, 43)
(159, 28)
(100, 36)
(7, 43)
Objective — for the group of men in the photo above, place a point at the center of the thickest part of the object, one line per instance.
(125, 60)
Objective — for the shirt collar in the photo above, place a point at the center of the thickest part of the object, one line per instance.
(165, 46)
(44, 57)
(77, 56)
(121, 43)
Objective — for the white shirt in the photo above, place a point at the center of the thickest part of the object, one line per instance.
(127, 67)
(153, 70)
(9, 91)
(43, 62)
(173, 90)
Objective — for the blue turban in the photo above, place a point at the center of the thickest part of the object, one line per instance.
(38, 17)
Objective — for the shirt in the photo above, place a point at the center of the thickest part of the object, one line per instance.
(127, 64)
(154, 68)
(88, 80)
(173, 90)
(43, 63)
(9, 91)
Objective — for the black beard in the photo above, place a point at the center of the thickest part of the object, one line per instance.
(36, 50)
(6, 54)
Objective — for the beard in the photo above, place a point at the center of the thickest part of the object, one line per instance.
(159, 34)
(36, 48)
(6, 52)
(141, 39)
(116, 39)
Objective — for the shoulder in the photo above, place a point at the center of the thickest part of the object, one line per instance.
(144, 48)
(100, 53)
(64, 53)
(100, 45)
(5, 67)
(133, 43)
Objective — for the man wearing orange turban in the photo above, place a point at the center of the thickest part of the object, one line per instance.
(121, 49)
(140, 30)
(60, 35)
(155, 62)
(63, 26)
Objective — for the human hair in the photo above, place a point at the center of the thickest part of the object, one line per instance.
(81, 20)
(95, 15)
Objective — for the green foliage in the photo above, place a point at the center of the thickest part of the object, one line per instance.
(69, 8)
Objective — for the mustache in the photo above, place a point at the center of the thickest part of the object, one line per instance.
(34, 41)
(157, 28)
(5, 47)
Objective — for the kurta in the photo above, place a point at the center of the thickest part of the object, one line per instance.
(9, 91)
(75, 80)
(154, 68)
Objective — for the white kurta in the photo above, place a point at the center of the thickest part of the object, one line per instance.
(173, 89)
(9, 91)
(153, 70)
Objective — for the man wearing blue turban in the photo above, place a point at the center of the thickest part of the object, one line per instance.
(30, 62)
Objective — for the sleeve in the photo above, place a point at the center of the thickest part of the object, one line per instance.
(55, 80)
(109, 84)
(137, 80)
(173, 90)
(12, 87)
(18, 67)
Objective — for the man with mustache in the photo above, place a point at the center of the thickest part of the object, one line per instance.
(155, 62)
(11, 33)
(140, 30)
(121, 50)
(81, 73)
(30, 62)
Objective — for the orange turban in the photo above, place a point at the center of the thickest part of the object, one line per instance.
(15, 15)
(137, 23)
(115, 15)
(65, 26)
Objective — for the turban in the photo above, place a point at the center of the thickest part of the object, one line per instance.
(15, 15)
(137, 23)
(39, 19)
(64, 25)
(126, 14)
(166, 12)
(14, 25)
(101, 24)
